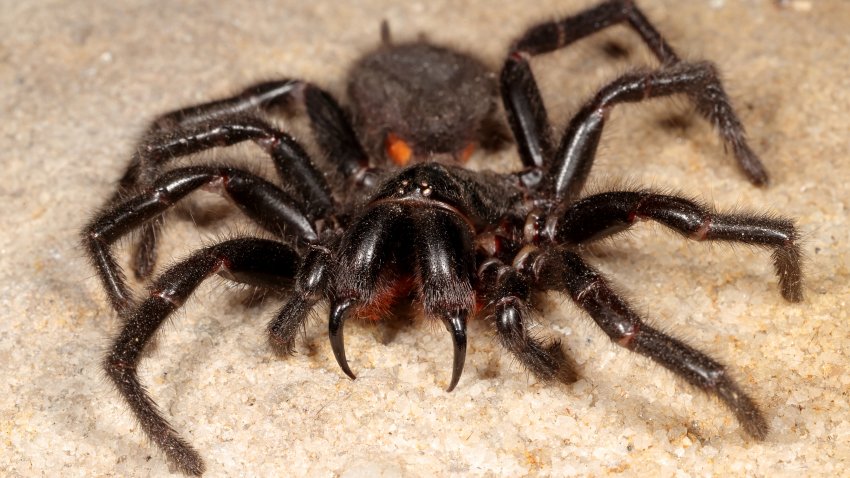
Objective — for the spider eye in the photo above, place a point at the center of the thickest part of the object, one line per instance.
(399, 151)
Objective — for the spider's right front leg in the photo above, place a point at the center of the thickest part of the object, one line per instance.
(255, 261)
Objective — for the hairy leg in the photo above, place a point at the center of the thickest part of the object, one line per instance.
(571, 162)
(601, 215)
(261, 200)
(248, 260)
(564, 271)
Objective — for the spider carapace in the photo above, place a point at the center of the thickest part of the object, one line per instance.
(391, 213)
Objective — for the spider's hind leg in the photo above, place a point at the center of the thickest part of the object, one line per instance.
(569, 164)
(699, 81)
(524, 105)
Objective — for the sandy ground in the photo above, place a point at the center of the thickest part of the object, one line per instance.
(78, 83)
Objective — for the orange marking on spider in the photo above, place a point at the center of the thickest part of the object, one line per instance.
(399, 151)
(466, 152)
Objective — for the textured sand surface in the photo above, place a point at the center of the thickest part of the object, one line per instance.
(80, 80)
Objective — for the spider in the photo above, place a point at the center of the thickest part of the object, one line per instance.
(391, 215)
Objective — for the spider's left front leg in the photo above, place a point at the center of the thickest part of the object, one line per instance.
(604, 214)
(562, 270)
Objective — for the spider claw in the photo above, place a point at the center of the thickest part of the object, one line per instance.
(335, 333)
(456, 325)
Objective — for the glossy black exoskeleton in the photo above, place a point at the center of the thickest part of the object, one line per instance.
(404, 218)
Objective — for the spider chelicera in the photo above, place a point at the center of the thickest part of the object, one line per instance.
(392, 215)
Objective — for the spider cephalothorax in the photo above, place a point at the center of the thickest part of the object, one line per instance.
(403, 220)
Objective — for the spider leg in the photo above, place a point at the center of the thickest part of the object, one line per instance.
(547, 37)
(229, 121)
(699, 81)
(245, 260)
(262, 201)
(507, 291)
(527, 113)
(292, 163)
(265, 96)
(523, 104)
(564, 271)
(329, 123)
(607, 213)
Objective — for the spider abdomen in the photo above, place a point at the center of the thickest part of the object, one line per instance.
(432, 98)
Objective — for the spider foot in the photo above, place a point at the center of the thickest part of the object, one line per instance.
(744, 408)
(183, 456)
(560, 366)
(144, 259)
(282, 331)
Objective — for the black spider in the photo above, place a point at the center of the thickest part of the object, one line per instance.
(458, 242)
